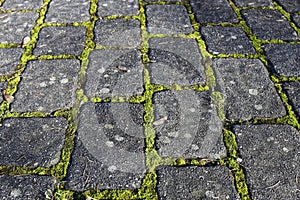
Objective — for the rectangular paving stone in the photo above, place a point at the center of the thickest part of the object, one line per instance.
(67, 11)
(213, 11)
(175, 61)
(47, 85)
(247, 90)
(60, 40)
(15, 26)
(22, 5)
(187, 125)
(194, 182)
(226, 40)
(284, 58)
(9, 59)
(269, 24)
(252, 3)
(118, 8)
(26, 187)
(290, 5)
(293, 91)
(270, 156)
(114, 73)
(118, 32)
(31, 141)
(109, 148)
(168, 19)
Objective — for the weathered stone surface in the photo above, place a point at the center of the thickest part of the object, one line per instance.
(296, 19)
(67, 11)
(114, 73)
(109, 148)
(293, 91)
(15, 26)
(251, 3)
(195, 183)
(168, 19)
(59, 40)
(118, 32)
(22, 5)
(3, 86)
(175, 61)
(119, 8)
(31, 141)
(227, 40)
(269, 24)
(47, 85)
(163, 0)
(284, 58)
(247, 90)
(290, 5)
(270, 156)
(26, 187)
(9, 59)
(187, 126)
(213, 11)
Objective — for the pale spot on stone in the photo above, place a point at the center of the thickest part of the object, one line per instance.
(104, 91)
(258, 107)
(101, 70)
(253, 91)
(160, 121)
(110, 143)
(195, 147)
(231, 82)
(43, 84)
(105, 4)
(192, 109)
(108, 126)
(112, 168)
(165, 140)
(64, 81)
(52, 78)
(119, 138)
(270, 139)
(239, 160)
(285, 149)
(187, 135)
(233, 37)
(173, 134)
(7, 125)
(15, 193)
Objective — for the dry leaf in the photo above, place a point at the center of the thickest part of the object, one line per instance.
(160, 121)
(25, 41)
(7, 97)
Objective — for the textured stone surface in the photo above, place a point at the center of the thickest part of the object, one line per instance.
(31, 141)
(163, 0)
(269, 24)
(3, 86)
(284, 58)
(247, 90)
(168, 19)
(293, 91)
(109, 147)
(26, 187)
(67, 11)
(175, 61)
(47, 85)
(118, 32)
(213, 11)
(187, 126)
(227, 40)
(114, 73)
(251, 3)
(290, 5)
(15, 26)
(119, 8)
(195, 183)
(296, 19)
(270, 156)
(22, 5)
(9, 59)
(58, 40)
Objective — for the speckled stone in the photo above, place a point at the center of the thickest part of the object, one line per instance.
(118, 8)
(290, 5)
(168, 19)
(9, 59)
(22, 5)
(67, 11)
(15, 26)
(31, 141)
(195, 183)
(251, 3)
(47, 85)
(270, 156)
(269, 24)
(227, 40)
(296, 19)
(293, 91)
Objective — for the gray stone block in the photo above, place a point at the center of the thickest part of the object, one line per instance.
(168, 19)
(247, 90)
(270, 156)
(9, 59)
(251, 3)
(119, 8)
(31, 141)
(22, 5)
(175, 61)
(269, 24)
(59, 40)
(290, 5)
(227, 40)
(187, 125)
(213, 11)
(114, 73)
(193, 182)
(296, 19)
(284, 58)
(15, 26)
(67, 11)
(118, 32)
(26, 187)
(293, 91)
(47, 85)
(109, 148)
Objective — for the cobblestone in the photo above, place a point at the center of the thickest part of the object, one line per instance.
(118, 8)
(22, 5)
(290, 5)
(251, 3)
(9, 59)
(293, 91)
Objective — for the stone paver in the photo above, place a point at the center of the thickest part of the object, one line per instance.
(31, 141)
(9, 59)
(284, 58)
(293, 91)
(251, 3)
(3, 86)
(226, 40)
(296, 18)
(118, 8)
(270, 156)
(22, 5)
(290, 5)
(269, 24)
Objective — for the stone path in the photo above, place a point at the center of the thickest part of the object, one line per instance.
(145, 99)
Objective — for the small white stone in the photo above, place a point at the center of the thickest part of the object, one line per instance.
(112, 168)
(104, 91)
(239, 160)
(64, 81)
(52, 78)
(110, 143)
(258, 107)
(233, 37)
(7, 125)
(253, 91)
(105, 4)
(231, 82)
(195, 147)
(285, 149)
(160, 121)
(43, 84)
(270, 139)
